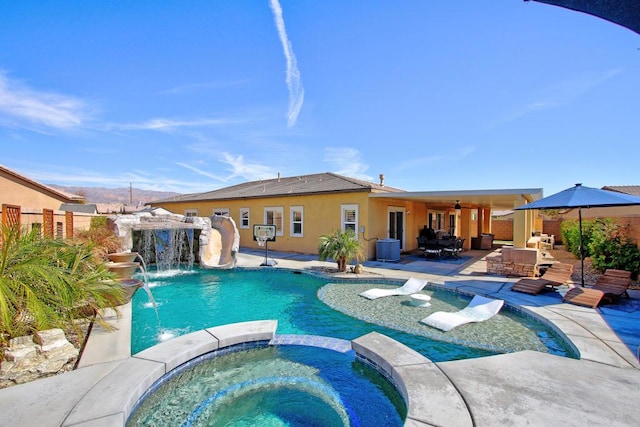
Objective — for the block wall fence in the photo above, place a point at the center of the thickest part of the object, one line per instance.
(503, 228)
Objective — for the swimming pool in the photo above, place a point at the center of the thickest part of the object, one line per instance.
(192, 300)
(272, 386)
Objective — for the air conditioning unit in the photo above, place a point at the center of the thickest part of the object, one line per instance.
(388, 250)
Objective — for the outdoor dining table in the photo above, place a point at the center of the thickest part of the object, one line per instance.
(435, 247)
(446, 243)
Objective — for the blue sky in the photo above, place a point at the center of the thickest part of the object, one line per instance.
(436, 95)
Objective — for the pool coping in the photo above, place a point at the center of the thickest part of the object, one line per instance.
(132, 377)
(112, 397)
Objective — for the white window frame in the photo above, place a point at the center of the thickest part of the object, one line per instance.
(190, 212)
(346, 222)
(243, 212)
(278, 211)
(293, 221)
(221, 212)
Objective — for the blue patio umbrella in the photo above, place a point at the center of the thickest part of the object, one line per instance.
(580, 197)
(622, 12)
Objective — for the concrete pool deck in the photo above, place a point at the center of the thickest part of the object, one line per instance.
(524, 388)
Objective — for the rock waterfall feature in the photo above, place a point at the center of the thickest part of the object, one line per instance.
(169, 240)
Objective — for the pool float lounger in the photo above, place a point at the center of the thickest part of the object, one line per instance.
(411, 286)
(478, 310)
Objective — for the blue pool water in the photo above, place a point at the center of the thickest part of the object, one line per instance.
(199, 299)
(273, 386)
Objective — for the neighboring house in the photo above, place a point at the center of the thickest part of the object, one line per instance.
(118, 208)
(37, 205)
(102, 208)
(307, 206)
(16, 189)
(89, 208)
(633, 190)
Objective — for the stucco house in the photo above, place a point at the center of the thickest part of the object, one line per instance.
(307, 206)
(35, 205)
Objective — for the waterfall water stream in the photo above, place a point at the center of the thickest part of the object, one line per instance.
(168, 249)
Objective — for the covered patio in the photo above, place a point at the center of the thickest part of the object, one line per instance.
(466, 213)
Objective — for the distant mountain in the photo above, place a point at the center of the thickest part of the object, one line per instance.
(116, 195)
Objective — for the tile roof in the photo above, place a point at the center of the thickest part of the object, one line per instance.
(319, 183)
(89, 208)
(633, 190)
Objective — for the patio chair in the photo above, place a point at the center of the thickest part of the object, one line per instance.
(426, 235)
(432, 249)
(547, 241)
(411, 286)
(478, 310)
(557, 275)
(609, 287)
(455, 249)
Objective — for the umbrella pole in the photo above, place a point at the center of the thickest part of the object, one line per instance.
(581, 248)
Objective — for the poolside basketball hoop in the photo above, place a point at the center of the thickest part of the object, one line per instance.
(263, 234)
(261, 240)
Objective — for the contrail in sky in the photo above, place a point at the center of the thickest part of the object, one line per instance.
(294, 84)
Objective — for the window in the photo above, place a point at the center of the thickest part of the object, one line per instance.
(439, 222)
(296, 221)
(350, 218)
(274, 216)
(436, 220)
(452, 224)
(59, 230)
(221, 211)
(244, 217)
(190, 212)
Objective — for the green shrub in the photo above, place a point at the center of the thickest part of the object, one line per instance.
(570, 230)
(610, 247)
(98, 222)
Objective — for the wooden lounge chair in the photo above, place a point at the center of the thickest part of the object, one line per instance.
(617, 273)
(556, 275)
(614, 286)
(610, 286)
(584, 296)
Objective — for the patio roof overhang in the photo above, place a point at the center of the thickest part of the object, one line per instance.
(503, 199)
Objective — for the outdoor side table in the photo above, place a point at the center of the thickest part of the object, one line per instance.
(420, 300)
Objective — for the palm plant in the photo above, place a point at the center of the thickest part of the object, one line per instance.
(44, 282)
(341, 246)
